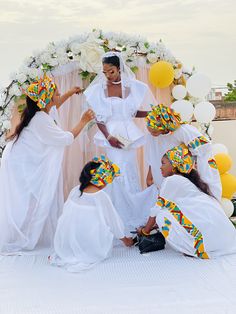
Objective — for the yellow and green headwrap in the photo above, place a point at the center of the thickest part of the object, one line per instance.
(181, 158)
(163, 118)
(105, 173)
(41, 91)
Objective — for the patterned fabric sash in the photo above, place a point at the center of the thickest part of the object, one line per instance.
(212, 163)
(185, 223)
(197, 142)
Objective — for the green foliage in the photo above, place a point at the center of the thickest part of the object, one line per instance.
(231, 95)
(134, 69)
(85, 75)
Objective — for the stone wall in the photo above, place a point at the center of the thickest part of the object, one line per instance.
(225, 110)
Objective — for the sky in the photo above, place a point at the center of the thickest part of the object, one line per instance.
(200, 33)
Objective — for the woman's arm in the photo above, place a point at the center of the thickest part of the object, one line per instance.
(141, 114)
(114, 142)
(149, 179)
(86, 117)
(148, 227)
(68, 94)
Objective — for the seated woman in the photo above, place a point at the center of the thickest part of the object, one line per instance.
(166, 131)
(30, 186)
(89, 223)
(189, 217)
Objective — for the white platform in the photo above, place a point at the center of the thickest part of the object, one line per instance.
(130, 283)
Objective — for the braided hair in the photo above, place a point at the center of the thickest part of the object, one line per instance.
(28, 113)
(86, 176)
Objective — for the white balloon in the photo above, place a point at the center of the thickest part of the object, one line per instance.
(179, 92)
(219, 148)
(198, 85)
(184, 108)
(228, 206)
(204, 112)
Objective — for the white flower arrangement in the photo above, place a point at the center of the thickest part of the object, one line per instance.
(87, 50)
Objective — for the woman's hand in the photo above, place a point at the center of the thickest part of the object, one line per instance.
(149, 179)
(87, 116)
(114, 142)
(76, 90)
(127, 241)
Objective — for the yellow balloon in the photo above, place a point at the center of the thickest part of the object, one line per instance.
(161, 74)
(224, 162)
(228, 182)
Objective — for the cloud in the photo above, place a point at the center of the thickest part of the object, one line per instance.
(197, 31)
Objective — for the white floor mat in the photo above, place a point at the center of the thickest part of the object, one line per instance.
(130, 283)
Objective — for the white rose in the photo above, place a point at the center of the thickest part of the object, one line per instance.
(152, 57)
(177, 73)
(28, 61)
(112, 44)
(62, 59)
(129, 51)
(142, 48)
(75, 48)
(6, 125)
(21, 77)
(53, 62)
(61, 51)
(45, 57)
(91, 57)
(33, 73)
(51, 48)
(15, 91)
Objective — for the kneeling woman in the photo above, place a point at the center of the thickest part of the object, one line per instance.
(89, 223)
(191, 220)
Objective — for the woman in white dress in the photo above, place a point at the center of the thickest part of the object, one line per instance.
(89, 222)
(166, 130)
(116, 98)
(189, 217)
(30, 190)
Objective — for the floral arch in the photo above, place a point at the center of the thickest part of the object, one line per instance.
(76, 62)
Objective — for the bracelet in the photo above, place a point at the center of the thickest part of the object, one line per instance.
(144, 233)
(109, 137)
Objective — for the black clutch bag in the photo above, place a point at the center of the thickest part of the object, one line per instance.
(150, 243)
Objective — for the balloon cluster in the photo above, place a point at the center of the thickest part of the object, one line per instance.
(162, 74)
(228, 181)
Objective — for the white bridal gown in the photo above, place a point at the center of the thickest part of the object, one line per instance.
(181, 202)
(118, 114)
(30, 185)
(157, 146)
(85, 231)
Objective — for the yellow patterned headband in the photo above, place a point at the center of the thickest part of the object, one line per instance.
(105, 173)
(41, 91)
(181, 158)
(163, 118)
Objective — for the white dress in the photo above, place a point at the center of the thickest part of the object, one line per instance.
(156, 147)
(192, 221)
(118, 114)
(30, 187)
(85, 231)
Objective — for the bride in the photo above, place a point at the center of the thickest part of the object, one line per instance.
(117, 98)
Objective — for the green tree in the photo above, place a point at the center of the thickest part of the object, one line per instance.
(231, 95)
